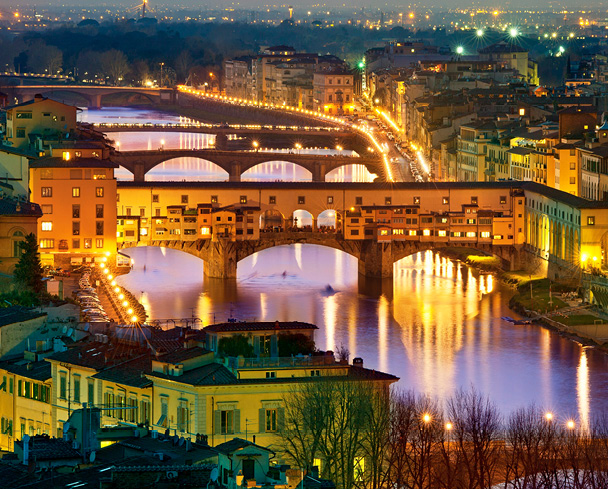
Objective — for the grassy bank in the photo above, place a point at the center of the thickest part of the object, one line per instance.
(538, 295)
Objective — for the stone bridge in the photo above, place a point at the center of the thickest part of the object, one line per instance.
(375, 259)
(235, 163)
(93, 94)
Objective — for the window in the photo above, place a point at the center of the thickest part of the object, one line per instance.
(183, 417)
(358, 200)
(243, 199)
(23, 115)
(46, 191)
(445, 200)
(227, 422)
(572, 165)
(88, 243)
(471, 234)
(572, 180)
(387, 201)
(474, 200)
(485, 234)
(47, 244)
(214, 199)
(590, 220)
(271, 420)
(47, 225)
(75, 228)
(46, 174)
(155, 198)
(99, 211)
(47, 209)
(272, 200)
(99, 228)
(301, 199)
(20, 132)
(75, 244)
(354, 232)
(128, 211)
(184, 199)
(99, 191)
(441, 233)
(63, 385)
(265, 344)
(503, 199)
(330, 199)
(315, 373)
(76, 381)
(99, 243)
(271, 375)
(75, 174)
(75, 191)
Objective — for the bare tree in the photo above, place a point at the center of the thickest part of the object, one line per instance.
(375, 438)
(44, 59)
(115, 65)
(477, 434)
(183, 63)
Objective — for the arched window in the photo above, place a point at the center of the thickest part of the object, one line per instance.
(17, 238)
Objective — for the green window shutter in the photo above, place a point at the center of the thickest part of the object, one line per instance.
(218, 422)
(237, 420)
(256, 345)
(280, 419)
(262, 420)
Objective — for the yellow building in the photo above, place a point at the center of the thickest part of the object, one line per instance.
(17, 219)
(25, 399)
(567, 168)
(189, 390)
(30, 123)
(333, 92)
(78, 200)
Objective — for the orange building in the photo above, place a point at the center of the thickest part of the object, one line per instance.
(77, 194)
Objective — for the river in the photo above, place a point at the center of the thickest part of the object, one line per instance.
(437, 325)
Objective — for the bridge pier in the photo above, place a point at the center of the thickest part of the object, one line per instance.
(220, 260)
(318, 172)
(95, 101)
(376, 259)
(139, 172)
(235, 172)
(221, 141)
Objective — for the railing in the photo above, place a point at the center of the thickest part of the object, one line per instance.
(295, 361)
(202, 125)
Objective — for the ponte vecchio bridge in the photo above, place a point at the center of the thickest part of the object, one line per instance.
(523, 223)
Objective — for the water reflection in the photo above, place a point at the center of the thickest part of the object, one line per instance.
(436, 325)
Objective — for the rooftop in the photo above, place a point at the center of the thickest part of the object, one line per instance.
(56, 162)
(259, 326)
(235, 444)
(40, 370)
(11, 207)
(17, 314)
(41, 447)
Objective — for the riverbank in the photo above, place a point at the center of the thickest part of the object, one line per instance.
(555, 306)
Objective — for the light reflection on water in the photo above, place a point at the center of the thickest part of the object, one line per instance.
(437, 325)
(195, 169)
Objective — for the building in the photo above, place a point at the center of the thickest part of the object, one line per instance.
(567, 172)
(30, 123)
(238, 82)
(333, 92)
(511, 55)
(14, 166)
(17, 219)
(77, 194)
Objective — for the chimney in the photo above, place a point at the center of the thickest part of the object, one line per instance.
(358, 362)
(38, 97)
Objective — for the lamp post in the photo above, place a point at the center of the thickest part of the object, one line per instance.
(161, 73)
(256, 145)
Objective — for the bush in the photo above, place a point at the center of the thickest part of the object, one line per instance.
(235, 346)
(295, 344)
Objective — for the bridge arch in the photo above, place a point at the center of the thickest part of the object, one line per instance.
(353, 172)
(70, 97)
(132, 97)
(290, 172)
(193, 166)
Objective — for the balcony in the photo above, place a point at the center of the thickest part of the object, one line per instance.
(284, 362)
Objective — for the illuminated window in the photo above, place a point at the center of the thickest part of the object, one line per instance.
(416, 200)
(88, 243)
(99, 191)
(205, 230)
(99, 243)
(143, 232)
(445, 200)
(474, 200)
(397, 231)
(498, 236)
(471, 234)
(99, 175)
(75, 191)
(272, 200)
(47, 226)
(412, 232)
(47, 244)
(441, 233)
(388, 201)
(46, 191)
(522, 112)
(485, 234)
(243, 199)
(503, 199)
(457, 234)
(590, 220)
(214, 199)
(383, 232)
(426, 232)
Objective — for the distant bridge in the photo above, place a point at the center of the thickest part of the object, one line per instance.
(235, 163)
(92, 94)
(376, 259)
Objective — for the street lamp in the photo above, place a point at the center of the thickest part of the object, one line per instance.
(161, 73)
(480, 32)
(570, 424)
(513, 32)
(459, 50)
(426, 418)
(549, 416)
(256, 145)
(298, 147)
(339, 148)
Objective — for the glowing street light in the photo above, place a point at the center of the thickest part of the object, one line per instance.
(570, 424)
(513, 32)
(449, 426)
(549, 416)
(426, 418)
(256, 145)
(480, 33)
(459, 50)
